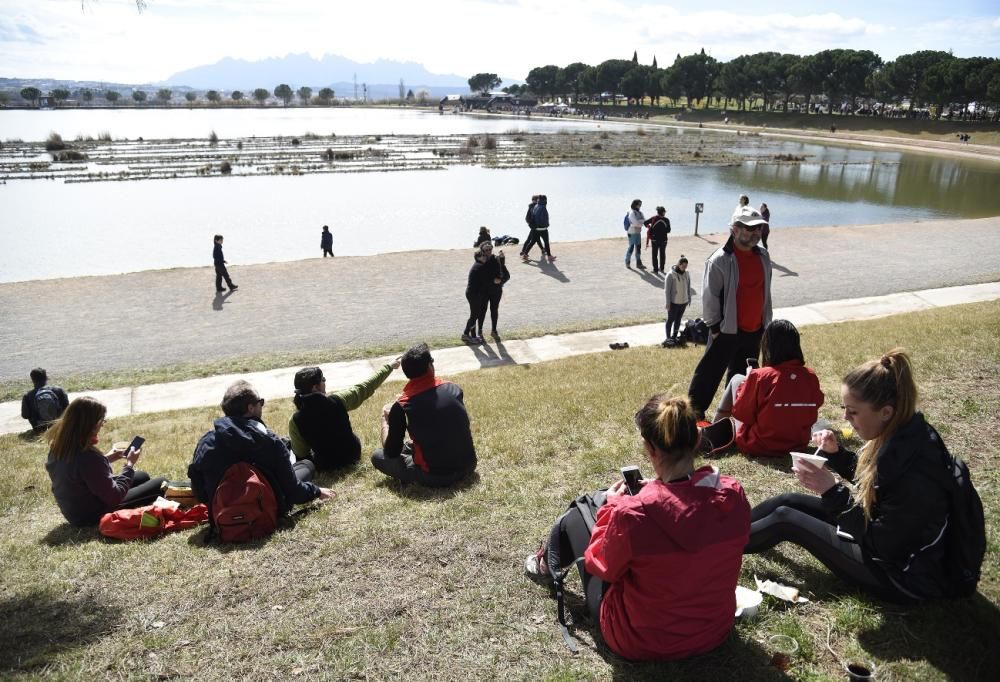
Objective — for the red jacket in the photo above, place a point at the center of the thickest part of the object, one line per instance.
(776, 407)
(672, 555)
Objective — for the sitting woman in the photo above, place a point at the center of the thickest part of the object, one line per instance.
(660, 566)
(770, 411)
(889, 537)
(82, 481)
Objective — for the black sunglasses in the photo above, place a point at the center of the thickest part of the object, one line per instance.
(750, 228)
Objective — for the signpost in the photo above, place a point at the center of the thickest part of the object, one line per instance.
(699, 208)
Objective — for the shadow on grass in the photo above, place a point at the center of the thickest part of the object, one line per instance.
(30, 436)
(957, 637)
(735, 658)
(415, 491)
(39, 625)
(66, 535)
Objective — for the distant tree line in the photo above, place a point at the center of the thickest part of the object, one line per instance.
(164, 96)
(843, 77)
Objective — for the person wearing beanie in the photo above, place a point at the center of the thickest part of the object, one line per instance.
(320, 429)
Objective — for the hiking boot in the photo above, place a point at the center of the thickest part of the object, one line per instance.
(535, 567)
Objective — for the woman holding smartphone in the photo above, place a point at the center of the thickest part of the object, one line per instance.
(893, 535)
(83, 482)
(660, 567)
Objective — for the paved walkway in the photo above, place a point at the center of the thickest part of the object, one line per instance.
(449, 361)
(166, 317)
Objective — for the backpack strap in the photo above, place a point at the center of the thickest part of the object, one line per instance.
(583, 506)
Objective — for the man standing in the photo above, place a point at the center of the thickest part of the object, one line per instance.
(220, 267)
(320, 429)
(440, 451)
(326, 242)
(540, 219)
(43, 404)
(241, 436)
(532, 239)
(736, 306)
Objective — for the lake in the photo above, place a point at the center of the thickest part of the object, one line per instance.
(54, 230)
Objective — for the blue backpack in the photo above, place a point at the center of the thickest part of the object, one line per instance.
(627, 225)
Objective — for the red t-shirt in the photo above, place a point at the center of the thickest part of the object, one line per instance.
(750, 291)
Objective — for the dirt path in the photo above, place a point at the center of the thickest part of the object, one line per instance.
(157, 318)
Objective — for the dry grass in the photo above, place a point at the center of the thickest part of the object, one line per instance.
(390, 582)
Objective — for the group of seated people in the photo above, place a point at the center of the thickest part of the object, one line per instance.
(438, 452)
(660, 563)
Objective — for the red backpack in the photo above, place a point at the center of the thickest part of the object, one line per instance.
(244, 507)
(150, 521)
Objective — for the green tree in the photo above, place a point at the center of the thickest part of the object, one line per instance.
(569, 79)
(139, 96)
(112, 96)
(191, 97)
(905, 75)
(236, 95)
(305, 94)
(484, 82)
(854, 69)
(60, 94)
(261, 95)
(409, 95)
(806, 78)
(325, 95)
(697, 74)
(284, 93)
(87, 95)
(213, 96)
(544, 80)
(670, 83)
(735, 81)
(634, 83)
(609, 76)
(164, 95)
(31, 94)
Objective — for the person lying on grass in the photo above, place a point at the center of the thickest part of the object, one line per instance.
(893, 537)
(83, 483)
(770, 410)
(661, 564)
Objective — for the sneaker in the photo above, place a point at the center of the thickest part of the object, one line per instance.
(535, 567)
(495, 334)
(480, 340)
(233, 287)
(467, 338)
(552, 259)
(640, 266)
(628, 265)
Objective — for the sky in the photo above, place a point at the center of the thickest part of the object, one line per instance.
(109, 40)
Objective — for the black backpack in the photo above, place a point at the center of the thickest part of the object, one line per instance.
(47, 405)
(584, 511)
(965, 539)
(696, 331)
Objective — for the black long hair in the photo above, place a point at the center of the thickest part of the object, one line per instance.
(780, 343)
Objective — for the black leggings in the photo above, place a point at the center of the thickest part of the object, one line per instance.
(543, 237)
(801, 519)
(143, 491)
(495, 294)
(660, 256)
(477, 311)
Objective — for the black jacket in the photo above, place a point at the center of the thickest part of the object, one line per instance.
(29, 410)
(494, 269)
(439, 429)
(217, 255)
(480, 280)
(905, 536)
(325, 424)
(236, 439)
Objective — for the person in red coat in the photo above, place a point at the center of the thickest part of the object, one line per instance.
(661, 565)
(775, 407)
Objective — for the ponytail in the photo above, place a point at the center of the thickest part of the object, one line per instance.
(670, 425)
(886, 381)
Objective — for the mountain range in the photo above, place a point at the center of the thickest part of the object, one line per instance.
(302, 69)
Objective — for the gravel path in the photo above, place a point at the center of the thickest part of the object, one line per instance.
(158, 318)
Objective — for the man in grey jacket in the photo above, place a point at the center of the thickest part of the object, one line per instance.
(736, 305)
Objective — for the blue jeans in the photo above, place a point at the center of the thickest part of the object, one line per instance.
(634, 242)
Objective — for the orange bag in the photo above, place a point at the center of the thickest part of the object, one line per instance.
(149, 521)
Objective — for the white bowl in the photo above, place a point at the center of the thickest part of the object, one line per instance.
(814, 460)
(747, 601)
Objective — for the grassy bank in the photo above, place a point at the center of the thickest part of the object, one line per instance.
(387, 582)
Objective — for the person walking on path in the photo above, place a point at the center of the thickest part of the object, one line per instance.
(477, 294)
(540, 217)
(495, 276)
(657, 229)
(677, 286)
(636, 221)
(529, 218)
(736, 306)
(765, 231)
(326, 242)
(221, 273)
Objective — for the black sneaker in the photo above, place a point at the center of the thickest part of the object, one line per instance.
(233, 287)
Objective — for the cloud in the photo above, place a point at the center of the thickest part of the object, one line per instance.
(12, 32)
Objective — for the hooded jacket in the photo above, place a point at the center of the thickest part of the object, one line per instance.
(237, 439)
(672, 555)
(906, 534)
(777, 407)
(718, 292)
(677, 284)
(540, 215)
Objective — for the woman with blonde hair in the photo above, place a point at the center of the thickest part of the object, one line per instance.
(890, 536)
(82, 480)
(661, 556)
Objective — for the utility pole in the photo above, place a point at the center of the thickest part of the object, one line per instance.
(365, 86)
(355, 87)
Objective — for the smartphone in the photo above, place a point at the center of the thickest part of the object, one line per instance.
(752, 363)
(632, 477)
(136, 444)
